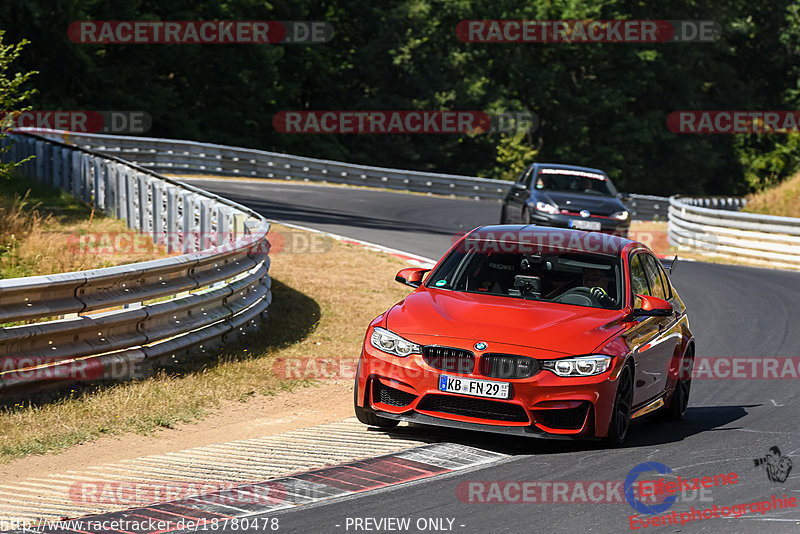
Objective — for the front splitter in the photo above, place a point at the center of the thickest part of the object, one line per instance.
(526, 431)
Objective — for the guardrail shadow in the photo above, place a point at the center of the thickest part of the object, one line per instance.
(293, 315)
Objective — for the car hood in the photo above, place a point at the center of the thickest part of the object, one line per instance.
(595, 204)
(541, 325)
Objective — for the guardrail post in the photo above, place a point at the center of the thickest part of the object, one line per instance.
(187, 223)
(57, 166)
(100, 177)
(86, 175)
(110, 193)
(205, 224)
(171, 230)
(130, 200)
(66, 169)
(121, 205)
(223, 225)
(156, 223)
(47, 164)
(143, 218)
(239, 225)
(39, 161)
(75, 174)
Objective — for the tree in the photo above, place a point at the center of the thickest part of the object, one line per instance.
(12, 94)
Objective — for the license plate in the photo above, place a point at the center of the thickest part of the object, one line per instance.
(477, 388)
(584, 225)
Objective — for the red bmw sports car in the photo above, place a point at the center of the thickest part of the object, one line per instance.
(530, 331)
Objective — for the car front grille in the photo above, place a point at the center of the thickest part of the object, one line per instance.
(449, 359)
(387, 395)
(507, 366)
(473, 407)
(566, 419)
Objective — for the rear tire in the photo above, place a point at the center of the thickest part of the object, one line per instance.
(676, 410)
(623, 402)
(503, 216)
(367, 417)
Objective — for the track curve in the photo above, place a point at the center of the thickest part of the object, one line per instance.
(734, 311)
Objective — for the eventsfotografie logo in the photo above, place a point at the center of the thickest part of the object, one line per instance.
(633, 499)
(666, 488)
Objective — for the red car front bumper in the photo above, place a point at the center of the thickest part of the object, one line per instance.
(544, 405)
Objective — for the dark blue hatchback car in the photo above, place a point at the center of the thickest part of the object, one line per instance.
(566, 196)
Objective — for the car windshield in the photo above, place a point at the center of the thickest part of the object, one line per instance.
(575, 181)
(566, 277)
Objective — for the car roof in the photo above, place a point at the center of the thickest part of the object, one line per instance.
(587, 242)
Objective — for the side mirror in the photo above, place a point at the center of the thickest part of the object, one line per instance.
(411, 276)
(624, 197)
(653, 307)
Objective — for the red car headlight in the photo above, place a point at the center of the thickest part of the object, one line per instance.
(390, 342)
(593, 364)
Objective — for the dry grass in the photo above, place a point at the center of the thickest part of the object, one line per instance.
(651, 233)
(782, 200)
(321, 306)
(41, 229)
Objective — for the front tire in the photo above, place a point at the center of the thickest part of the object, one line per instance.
(680, 397)
(503, 216)
(623, 402)
(367, 417)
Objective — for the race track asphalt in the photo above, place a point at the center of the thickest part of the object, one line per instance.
(734, 311)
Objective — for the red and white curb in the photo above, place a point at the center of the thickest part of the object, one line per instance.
(214, 510)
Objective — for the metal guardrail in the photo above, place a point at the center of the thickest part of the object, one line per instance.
(717, 203)
(188, 157)
(115, 322)
(735, 235)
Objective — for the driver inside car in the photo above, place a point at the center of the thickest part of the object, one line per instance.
(598, 283)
